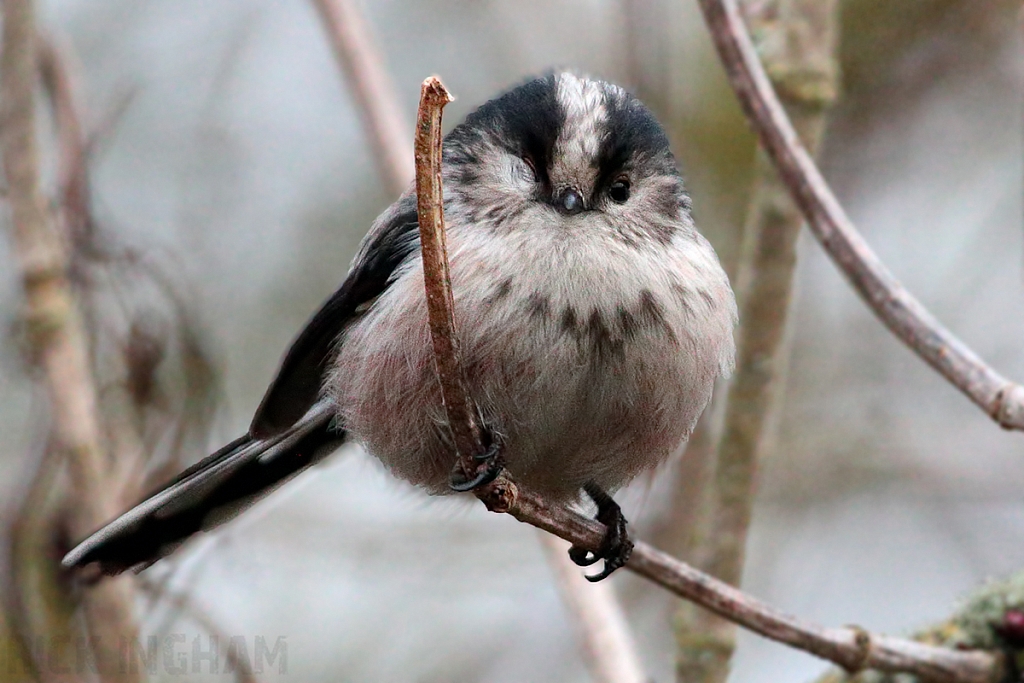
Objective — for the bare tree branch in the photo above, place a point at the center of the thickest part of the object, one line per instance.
(360, 59)
(54, 327)
(72, 174)
(851, 648)
(796, 41)
(903, 314)
(605, 640)
(611, 654)
(33, 593)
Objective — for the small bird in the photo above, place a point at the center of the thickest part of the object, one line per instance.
(593, 319)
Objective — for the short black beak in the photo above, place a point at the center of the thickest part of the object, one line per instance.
(570, 201)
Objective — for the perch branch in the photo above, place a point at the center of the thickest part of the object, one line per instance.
(360, 59)
(54, 327)
(437, 278)
(903, 314)
(851, 648)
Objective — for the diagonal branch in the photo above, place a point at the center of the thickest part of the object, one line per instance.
(852, 648)
(901, 312)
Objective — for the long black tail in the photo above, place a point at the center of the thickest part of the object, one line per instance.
(209, 493)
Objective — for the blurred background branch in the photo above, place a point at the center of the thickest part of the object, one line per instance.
(355, 49)
(56, 336)
(601, 627)
(896, 307)
(796, 41)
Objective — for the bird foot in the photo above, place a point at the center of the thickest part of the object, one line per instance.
(615, 547)
(489, 465)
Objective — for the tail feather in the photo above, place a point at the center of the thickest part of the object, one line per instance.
(207, 494)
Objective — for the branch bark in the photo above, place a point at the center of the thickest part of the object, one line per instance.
(54, 327)
(363, 65)
(852, 648)
(796, 40)
(437, 279)
(897, 308)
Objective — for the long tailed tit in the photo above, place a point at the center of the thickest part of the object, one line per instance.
(594, 320)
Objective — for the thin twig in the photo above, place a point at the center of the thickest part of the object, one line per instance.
(903, 314)
(437, 279)
(73, 171)
(613, 655)
(54, 327)
(605, 642)
(359, 57)
(851, 648)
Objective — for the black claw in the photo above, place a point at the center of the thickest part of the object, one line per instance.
(493, 465)
(582, 557)
(615, 547)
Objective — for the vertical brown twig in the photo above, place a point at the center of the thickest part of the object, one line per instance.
(54, 327)
(359, 57)
(796, 40)
(596, 620)
(440, 304)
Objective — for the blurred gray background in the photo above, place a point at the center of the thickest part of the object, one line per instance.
(240, 160)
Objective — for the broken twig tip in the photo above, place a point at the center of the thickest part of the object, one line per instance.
(434, 89)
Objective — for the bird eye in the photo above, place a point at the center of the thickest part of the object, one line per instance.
(619, 191)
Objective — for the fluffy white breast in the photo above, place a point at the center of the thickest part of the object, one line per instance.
(590, 357)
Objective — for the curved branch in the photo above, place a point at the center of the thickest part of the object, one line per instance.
(850, 647)
(901, 312)
(437, 279)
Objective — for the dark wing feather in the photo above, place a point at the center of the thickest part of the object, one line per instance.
(207, 494)
(394, 236)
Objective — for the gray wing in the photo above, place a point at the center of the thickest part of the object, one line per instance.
(391, 240)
